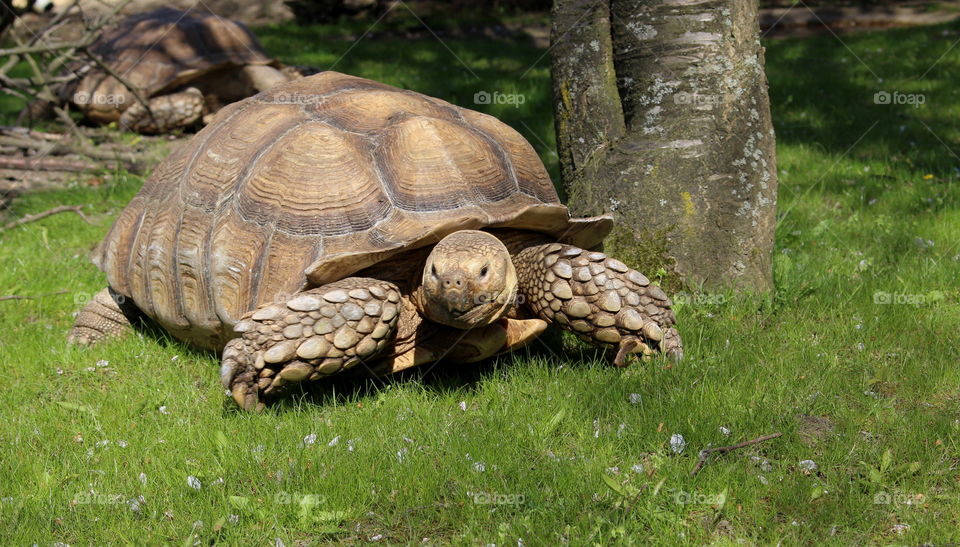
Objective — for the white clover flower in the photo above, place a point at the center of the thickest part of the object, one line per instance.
(677, 443)
(899, 528)
(193, 482)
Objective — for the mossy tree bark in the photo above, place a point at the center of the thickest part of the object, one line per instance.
(663, 118)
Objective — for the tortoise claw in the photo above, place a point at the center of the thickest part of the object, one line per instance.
(628, 345)
(246, 398)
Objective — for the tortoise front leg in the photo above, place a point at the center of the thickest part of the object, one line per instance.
(598, 298)
(312, 335)
(171, 111)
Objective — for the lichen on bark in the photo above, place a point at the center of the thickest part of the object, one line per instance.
(671, 132)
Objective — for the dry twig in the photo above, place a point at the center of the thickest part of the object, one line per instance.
(37, 216)
(706, 452)
(26, 297)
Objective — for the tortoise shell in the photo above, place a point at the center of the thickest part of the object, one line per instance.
(310, 182)
(156, 52)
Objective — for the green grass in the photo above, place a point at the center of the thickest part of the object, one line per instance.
(568, 449)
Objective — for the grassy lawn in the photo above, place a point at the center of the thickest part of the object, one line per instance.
(854, 359)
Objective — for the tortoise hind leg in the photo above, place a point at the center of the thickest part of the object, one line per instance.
(107, 315)
(314, 334)
(172, 111)
(263, 77)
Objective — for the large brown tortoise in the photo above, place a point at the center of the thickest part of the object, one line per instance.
(335, 222)
(182, 63)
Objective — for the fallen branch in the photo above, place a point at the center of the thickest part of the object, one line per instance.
(47, 59)
(18, 131)
(132, 162)
(44, 164)
(24, 297)
(45, 214)
(48, 47)
(706, 452)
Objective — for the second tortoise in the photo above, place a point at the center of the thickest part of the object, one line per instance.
(183, 64)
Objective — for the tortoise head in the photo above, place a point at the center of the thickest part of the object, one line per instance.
(468, 280)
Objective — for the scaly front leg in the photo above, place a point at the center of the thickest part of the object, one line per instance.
(599, 299)
(312, 335)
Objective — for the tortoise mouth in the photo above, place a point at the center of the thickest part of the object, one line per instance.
(488, 308)
(484, 303)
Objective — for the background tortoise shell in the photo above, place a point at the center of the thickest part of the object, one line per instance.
(310, 182)
(157, 52)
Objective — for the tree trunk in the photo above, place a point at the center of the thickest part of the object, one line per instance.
(663, 119)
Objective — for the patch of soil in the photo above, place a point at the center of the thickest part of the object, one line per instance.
(813, 430)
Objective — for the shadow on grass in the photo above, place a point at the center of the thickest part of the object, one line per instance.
(439, 379)
(839, 95)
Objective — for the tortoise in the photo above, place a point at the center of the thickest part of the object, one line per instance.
(335, 223)
(183, 63)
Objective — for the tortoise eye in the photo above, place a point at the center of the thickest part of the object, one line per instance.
(484, 271)
(433, 270)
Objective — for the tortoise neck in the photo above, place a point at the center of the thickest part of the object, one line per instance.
(518, 240)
